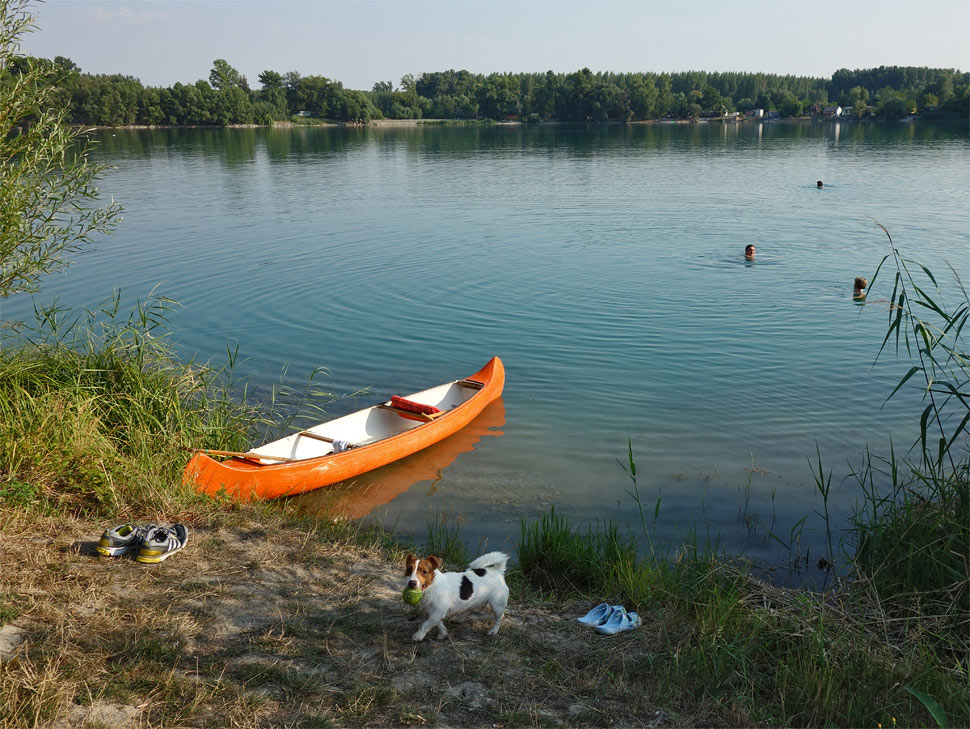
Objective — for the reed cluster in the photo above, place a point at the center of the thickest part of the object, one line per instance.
(97, 412)
(913, 539)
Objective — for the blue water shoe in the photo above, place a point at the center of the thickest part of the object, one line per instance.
(619, 621)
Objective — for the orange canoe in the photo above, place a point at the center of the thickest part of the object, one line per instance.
(350, 445)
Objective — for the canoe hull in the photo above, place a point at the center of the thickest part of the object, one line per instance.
(244, 480)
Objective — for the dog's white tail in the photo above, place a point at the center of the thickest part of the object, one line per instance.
(492, 560)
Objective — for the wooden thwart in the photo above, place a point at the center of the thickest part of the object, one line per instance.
(315, 436)
(240, 454)
(324, 438)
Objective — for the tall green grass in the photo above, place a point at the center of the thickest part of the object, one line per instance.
(445, 538)
(97, 412)
(560, 558)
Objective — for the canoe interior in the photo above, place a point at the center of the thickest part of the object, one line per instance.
(364, 426)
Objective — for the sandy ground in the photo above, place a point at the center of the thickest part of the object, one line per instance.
(260, 627)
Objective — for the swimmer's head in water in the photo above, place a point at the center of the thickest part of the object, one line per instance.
(749, 251)
(860, 283)
(818, 184)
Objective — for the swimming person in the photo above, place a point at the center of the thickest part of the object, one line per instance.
(749, 251)
(859, 288)
(818, 184)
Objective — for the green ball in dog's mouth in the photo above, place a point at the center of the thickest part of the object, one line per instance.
(412, 595)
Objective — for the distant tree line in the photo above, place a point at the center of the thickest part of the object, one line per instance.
(226, 97)
(585, 96)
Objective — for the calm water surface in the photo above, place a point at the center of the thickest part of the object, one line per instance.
(603, 264)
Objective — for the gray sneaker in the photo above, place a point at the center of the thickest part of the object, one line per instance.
(162, 542)
(122, 539)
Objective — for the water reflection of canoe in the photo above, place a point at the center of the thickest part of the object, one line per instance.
(375, 437)
(358, 497)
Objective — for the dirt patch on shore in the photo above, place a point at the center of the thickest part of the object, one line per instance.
(260, 627)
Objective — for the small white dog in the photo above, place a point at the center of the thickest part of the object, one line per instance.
(447, 594)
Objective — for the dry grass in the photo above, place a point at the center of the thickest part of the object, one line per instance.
(257, 625)
(265, 621)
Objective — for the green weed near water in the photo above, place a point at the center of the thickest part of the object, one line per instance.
(560, 559)
(915, 539)
(96, 411)
(445, 539)
(754, 653)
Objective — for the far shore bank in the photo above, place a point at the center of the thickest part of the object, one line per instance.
(404, 123)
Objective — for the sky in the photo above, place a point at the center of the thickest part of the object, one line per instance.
(360, 42)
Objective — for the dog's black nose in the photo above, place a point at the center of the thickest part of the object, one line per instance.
(412, 584)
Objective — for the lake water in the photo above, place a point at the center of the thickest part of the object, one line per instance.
(603, 264)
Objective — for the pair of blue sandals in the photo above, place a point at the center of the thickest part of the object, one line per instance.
(610, 619)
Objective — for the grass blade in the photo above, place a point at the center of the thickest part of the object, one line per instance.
(936, 711)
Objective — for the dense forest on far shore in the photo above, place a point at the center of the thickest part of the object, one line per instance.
(889, 92)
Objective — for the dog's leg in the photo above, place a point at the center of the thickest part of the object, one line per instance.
(498, 604)
(423, 630)
(434, 619)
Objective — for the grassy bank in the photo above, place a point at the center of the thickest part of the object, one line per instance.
(96, 413)
(755, 654)
(269, 619)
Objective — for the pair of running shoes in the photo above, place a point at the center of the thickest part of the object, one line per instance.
(610, 619)
(153, 543)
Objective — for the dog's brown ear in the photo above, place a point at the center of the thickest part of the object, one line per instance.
(409, 564)
(436, 562)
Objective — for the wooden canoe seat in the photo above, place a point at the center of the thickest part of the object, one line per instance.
(473, 384)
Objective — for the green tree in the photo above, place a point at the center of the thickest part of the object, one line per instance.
(496, 98)
(410, 90)
(544, 95)
(959, 103)
(893, 104)
(855, 95)
(150, 107)
(314, 94)
(67, 64)
(711, 100)
(575, 102)
(789, 104)
(233, 106)
(223, 77)
(643, 97)
(271, 80)
(860, 109)
(943, 88)
(665, 95)
(47, 183)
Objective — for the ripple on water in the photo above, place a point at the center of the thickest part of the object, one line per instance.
(605, 266)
